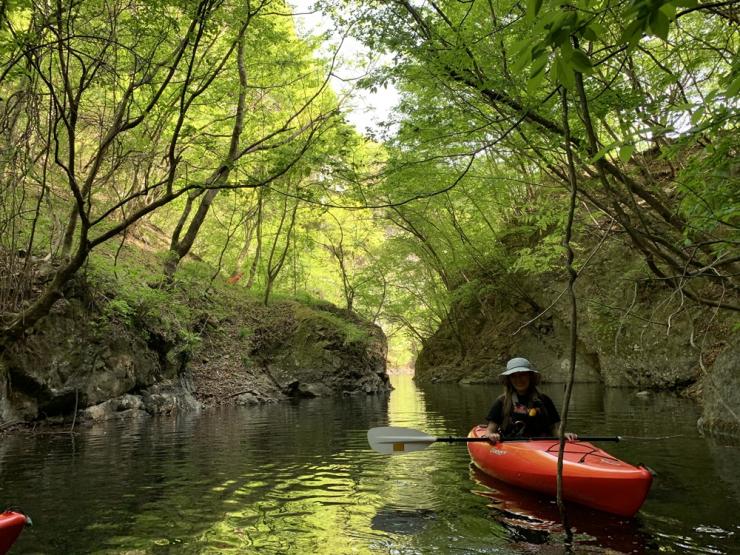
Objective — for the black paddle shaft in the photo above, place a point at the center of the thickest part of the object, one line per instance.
(504, 439)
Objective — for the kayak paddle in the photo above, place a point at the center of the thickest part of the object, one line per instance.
(392, 440)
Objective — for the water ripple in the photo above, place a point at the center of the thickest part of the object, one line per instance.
(302, 479)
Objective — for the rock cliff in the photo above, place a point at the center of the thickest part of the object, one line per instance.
(633, 332)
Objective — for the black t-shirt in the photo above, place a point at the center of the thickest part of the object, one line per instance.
(529, 417)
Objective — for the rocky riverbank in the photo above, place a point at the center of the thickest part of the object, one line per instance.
(99, 355)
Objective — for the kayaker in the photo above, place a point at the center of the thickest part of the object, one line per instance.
(522, 411)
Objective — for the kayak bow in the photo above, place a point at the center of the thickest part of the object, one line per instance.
(11, 525)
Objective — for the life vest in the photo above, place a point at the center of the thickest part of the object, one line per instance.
(528, 419)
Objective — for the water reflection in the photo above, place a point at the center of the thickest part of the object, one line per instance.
(301, 478)
(536, 519)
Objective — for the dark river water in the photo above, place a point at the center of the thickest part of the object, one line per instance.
(301, 478)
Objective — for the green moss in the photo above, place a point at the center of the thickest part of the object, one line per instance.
(349, 331)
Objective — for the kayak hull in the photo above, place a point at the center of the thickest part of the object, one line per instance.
(591, 476)
(11, 525)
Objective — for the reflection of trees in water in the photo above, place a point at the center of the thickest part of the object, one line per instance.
(595, 409)
(461, 406)
(724, 463)
(306, 427)
(179, 476)
(650, 415)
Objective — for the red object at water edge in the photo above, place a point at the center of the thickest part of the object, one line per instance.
(591, 476)
(11, 525)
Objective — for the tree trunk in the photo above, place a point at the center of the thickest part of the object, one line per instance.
(572, 275)
(41, 306)
(258, 250)
(238, 271)
(274, 269)
(178, 249)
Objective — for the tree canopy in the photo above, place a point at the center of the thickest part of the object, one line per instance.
(215, 122)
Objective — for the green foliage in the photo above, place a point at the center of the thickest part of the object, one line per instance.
(710, 186)
(480, 123)
(119, 310)
(654, 16)
(127, 296)
(467, 185)
(188, 342)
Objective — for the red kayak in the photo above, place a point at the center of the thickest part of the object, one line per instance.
(11, 525)
(591, 476)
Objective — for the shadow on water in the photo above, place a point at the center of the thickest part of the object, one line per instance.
(402, 521)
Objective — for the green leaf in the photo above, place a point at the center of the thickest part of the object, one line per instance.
(632, 33)
(589, 34)
(522, 54)
(581, 61)
(565, 74)
(537, 75)
(602, 152)
(554, 75)
(561, 29)
(521, 61)
(533, 8)
(625, 153)
(669, 10)
(559, 37)
(534, 84)
(659, 24)
(598, 29)
(567, 50)
(521, 46)
(734, 87)
(696, 116)
(538, 65)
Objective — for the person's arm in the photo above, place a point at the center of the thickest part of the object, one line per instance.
(495, 415)
(492, 432)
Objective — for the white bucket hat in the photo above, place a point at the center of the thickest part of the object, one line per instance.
(518, 365)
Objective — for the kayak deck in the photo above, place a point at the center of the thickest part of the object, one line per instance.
(591, 476)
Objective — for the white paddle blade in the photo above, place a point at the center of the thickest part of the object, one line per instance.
(391, 440)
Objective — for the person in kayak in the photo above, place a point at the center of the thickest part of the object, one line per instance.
(522, 411)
